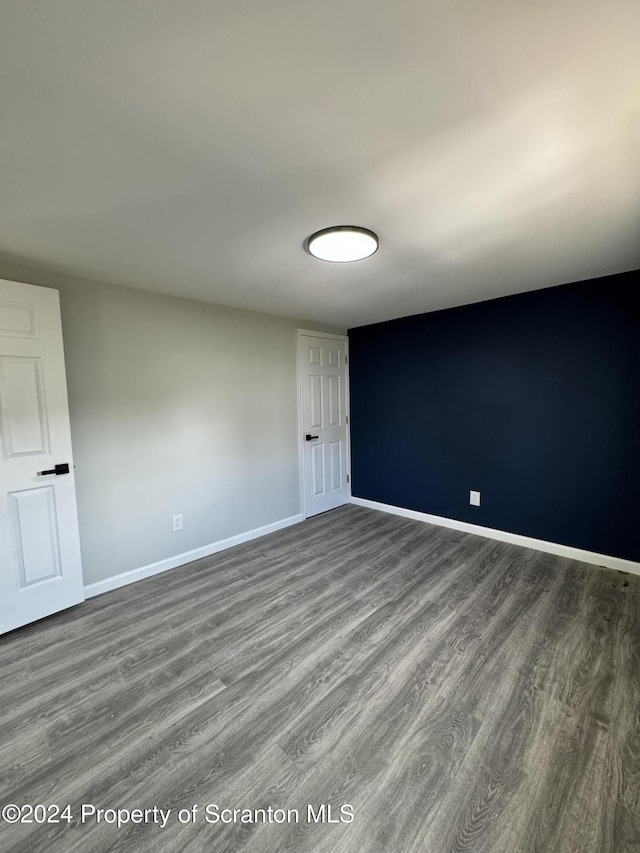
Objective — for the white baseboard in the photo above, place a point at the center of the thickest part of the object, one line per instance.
(134, 575)
(591, 557)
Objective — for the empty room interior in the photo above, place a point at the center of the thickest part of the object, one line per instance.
(319, 427)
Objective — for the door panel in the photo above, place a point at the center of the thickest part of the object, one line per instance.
(317, 463)
(315, 398)
(334, 384)
(323, 370)
(24, 427)
(335, 465)
(17, 319)
(40, 569)
(34, 533)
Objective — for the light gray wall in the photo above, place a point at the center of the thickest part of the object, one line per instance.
(176, 406)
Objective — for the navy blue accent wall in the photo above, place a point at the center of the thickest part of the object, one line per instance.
(533, 400)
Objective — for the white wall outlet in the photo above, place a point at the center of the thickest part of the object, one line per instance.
(474, 498)
(176, 523)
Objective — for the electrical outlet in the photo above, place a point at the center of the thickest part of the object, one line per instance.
(176, 523)
(474, 498)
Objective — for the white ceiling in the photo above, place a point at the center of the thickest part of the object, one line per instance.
(190, 146)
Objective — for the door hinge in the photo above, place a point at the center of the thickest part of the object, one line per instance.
(347, 478)
(347, 419)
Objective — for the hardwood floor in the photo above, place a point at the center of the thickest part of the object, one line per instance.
(459, 694)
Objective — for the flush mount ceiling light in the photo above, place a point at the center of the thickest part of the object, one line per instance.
(342, 243)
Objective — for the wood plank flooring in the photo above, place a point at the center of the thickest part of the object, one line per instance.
(458, 694)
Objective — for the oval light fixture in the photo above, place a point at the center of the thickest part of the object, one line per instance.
(342, 244)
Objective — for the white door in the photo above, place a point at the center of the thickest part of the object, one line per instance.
(324, 422)
(40, 570)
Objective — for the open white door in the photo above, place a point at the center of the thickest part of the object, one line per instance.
(40, 568)
(325, 461)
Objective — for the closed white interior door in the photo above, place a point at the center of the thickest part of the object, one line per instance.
(324, 423)
(40, 568)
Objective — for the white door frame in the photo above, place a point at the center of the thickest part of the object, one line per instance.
(315, 334)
